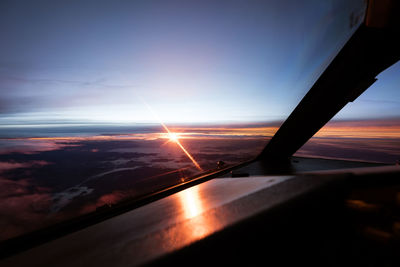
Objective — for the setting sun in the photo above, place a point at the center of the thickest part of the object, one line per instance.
(173, 137)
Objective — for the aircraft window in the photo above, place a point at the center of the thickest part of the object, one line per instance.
(367, 129)
(107, 101)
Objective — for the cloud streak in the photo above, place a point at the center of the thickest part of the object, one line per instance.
(383, 129)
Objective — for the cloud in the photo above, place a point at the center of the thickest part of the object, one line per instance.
(15, 104)
(22, 207)
(19, 81)
(373, 150)
(106, 199)
(27, 95)
(29, 146)
(62, 199)
(367, 123)
(12, 188)
(380, 102)
(7, 166)
(383, 128)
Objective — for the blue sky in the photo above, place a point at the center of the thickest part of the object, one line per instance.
(191, 61)
(381, 100)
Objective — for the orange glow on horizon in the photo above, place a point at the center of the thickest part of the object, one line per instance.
(344, 130)
(333, 130)
(348, 131)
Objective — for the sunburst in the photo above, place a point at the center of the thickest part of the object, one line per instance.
(173, 137)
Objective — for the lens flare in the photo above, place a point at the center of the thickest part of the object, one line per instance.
(173, 137)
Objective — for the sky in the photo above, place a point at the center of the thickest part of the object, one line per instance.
(190, 61)
(243, 63)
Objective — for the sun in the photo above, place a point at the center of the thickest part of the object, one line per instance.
(173, 137)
